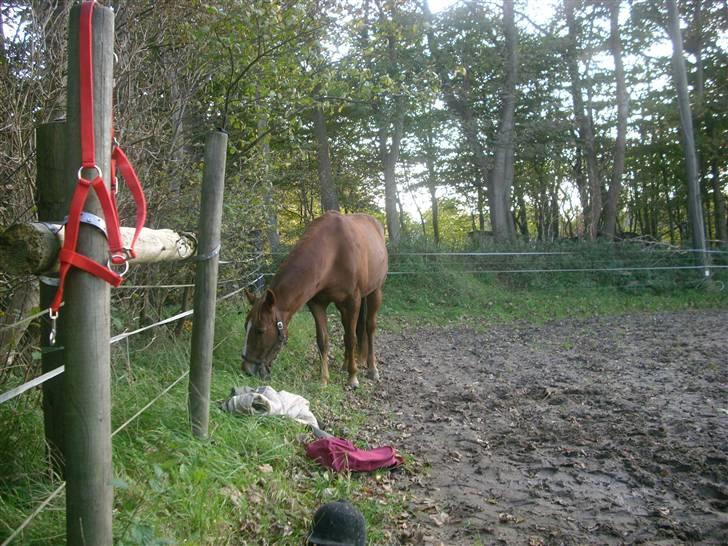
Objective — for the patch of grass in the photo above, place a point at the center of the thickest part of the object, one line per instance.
(438, 294)
(248, 483)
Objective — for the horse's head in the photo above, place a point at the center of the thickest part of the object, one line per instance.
(265, 334)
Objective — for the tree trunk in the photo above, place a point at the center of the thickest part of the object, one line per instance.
(389, 154)
(432, 184)
(695, 209)
(481, 213)
(329, 196)
(615, 188)
(586, 135)
(721, 223)
(501, 179)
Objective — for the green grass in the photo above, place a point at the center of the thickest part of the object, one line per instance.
(250, 482)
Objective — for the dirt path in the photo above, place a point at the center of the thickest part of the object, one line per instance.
(597, 431)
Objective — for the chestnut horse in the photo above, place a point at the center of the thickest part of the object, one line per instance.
(340, 259)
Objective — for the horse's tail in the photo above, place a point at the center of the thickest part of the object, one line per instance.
(362, 345)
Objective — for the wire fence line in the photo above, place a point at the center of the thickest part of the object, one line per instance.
(430, 254)
(566, 270)
(124, 335)
(121, 427)
(16, 391)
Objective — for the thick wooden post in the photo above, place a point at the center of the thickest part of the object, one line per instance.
(53, 201)
(89, 493)
(203, 325)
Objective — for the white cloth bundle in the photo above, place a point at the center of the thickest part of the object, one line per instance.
(268, 401)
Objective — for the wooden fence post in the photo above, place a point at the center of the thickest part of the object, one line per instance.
(203, 322)
(89, 493)
(53, 202)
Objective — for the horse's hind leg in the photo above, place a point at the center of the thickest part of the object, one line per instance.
(362, 345)
(349, 310)
(374, 302)
(318, 310)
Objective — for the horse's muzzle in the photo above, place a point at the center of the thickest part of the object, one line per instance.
(255, 368)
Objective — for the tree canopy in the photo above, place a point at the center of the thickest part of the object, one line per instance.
(528, 120)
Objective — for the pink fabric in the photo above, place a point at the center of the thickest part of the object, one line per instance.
(341, 455)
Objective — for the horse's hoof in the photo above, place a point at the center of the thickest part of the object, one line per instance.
(373, 374)
(353, 384)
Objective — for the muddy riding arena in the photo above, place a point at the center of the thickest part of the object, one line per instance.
(610, 430)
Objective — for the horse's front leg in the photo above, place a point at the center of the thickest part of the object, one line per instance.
(318, 310)
(349, 310)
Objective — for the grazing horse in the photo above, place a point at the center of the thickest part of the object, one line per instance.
(340, 259)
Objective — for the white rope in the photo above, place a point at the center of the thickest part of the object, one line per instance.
(125, 335)
(35, 512)
(12, 393)
(57, 371)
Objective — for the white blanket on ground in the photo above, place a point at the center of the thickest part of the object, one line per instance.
(268, 401)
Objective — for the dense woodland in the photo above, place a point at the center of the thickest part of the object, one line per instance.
(527, 120)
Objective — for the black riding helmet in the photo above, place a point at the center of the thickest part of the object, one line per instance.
(338, 523)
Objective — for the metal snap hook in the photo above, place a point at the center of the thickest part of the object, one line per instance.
(52, 336)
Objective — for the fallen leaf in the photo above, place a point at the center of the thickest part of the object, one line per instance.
(440, 518)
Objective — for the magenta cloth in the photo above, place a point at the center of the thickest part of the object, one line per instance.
(341, 455)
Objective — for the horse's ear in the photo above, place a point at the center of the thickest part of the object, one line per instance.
(270, 298)
(250, 296)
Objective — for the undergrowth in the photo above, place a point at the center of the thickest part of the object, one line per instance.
(250, 482)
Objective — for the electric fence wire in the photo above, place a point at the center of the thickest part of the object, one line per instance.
(20, 389)
(121, 427)
(39, 380)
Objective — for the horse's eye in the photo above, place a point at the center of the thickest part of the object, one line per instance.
(259, 331)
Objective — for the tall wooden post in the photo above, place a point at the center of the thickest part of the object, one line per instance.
(89, 493)
(203, 325)
(53, 202)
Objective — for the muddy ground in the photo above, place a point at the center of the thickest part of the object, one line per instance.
(609, 430)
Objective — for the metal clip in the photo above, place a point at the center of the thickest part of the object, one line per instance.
(52, 336)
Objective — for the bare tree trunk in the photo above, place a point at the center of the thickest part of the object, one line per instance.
(721, 223)
(586, 135)
(481, 213)
(3, 55)
(432, 184)
(389, 154)
(615, 188)
(501, 179)
(695, 208)
(329, 196)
